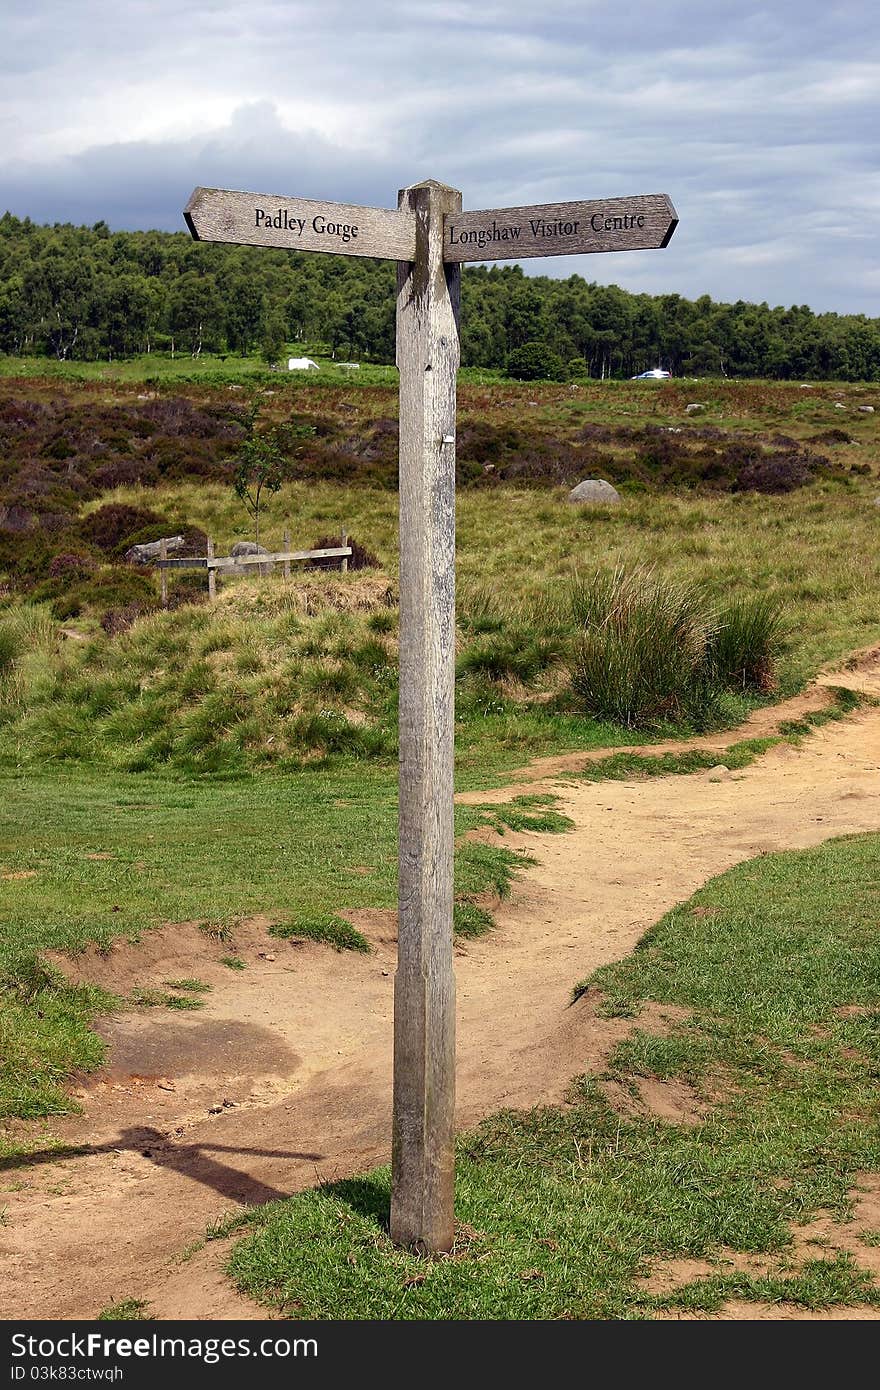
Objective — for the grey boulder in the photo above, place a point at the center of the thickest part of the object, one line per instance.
(250, 548)
(148, 552)
(594, 492)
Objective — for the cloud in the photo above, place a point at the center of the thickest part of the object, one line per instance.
(762, 131)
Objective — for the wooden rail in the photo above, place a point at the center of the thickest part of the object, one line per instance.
(212, 563)
(274, 557)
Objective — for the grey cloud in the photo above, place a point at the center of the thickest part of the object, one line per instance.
(758, 121)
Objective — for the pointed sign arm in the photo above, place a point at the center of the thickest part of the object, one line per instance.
(641, 223)
(300, 224)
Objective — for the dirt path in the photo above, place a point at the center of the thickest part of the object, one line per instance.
(298, 1045)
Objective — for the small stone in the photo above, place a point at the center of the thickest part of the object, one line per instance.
(694, 408)
(165, 1085)
(215, 1110)
(594, 492)
(267, 955)
(866, 409)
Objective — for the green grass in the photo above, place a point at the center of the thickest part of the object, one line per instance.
(535, 812)
(126, 1310)
(160, 999)
(622, 767)
(561, 1210)
(471, 920)
(326, 927)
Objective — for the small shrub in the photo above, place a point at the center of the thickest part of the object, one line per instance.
(517, 656)
(72, 565)
(535, 362)
(115, 522)
(782, 472)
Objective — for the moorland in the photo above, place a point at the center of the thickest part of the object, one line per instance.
(210, 763)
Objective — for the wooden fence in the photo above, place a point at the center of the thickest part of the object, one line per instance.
(232, 563)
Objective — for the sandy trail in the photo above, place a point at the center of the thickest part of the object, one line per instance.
(299, 1044)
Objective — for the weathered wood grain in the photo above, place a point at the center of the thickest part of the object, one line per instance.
(212, 573)
(163, 555)
(300, 224)
(560, 229)
(422, 1189)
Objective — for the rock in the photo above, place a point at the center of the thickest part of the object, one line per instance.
(148, 552)
(594, 492)
(694, 408)
(877, 501)
(866, 409)
(251, 548)
(839, 405)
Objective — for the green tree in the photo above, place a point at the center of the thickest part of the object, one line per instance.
(264, 460)
(535, 362)
(274, 338)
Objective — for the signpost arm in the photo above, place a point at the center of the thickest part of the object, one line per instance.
(424, 990)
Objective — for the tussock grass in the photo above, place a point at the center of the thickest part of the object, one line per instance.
(653, 649)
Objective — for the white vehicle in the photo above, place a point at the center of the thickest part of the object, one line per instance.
(302, 364)
(655, 374)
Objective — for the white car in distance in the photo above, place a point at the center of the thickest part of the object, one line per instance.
(655, 374)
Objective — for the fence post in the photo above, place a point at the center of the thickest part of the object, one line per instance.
(163, 555)
(345, 557)
(212, 573)
(286, 551)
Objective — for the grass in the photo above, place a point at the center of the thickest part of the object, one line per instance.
(561, 1211)
(160, 999)
(335, 931)
(651, 649)
(126, 1310)
(277, 675)
(622, 767)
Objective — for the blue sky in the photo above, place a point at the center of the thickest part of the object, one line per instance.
(760, 121)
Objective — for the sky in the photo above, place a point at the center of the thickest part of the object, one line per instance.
(759, 121)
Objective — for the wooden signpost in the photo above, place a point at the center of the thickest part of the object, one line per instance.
(428, 235)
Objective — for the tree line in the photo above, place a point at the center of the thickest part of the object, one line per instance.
(88, 293)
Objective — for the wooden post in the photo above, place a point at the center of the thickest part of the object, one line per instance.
(286, 570)
(344, 565)
(212, 573)
(163, 555)
(422, 1186)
